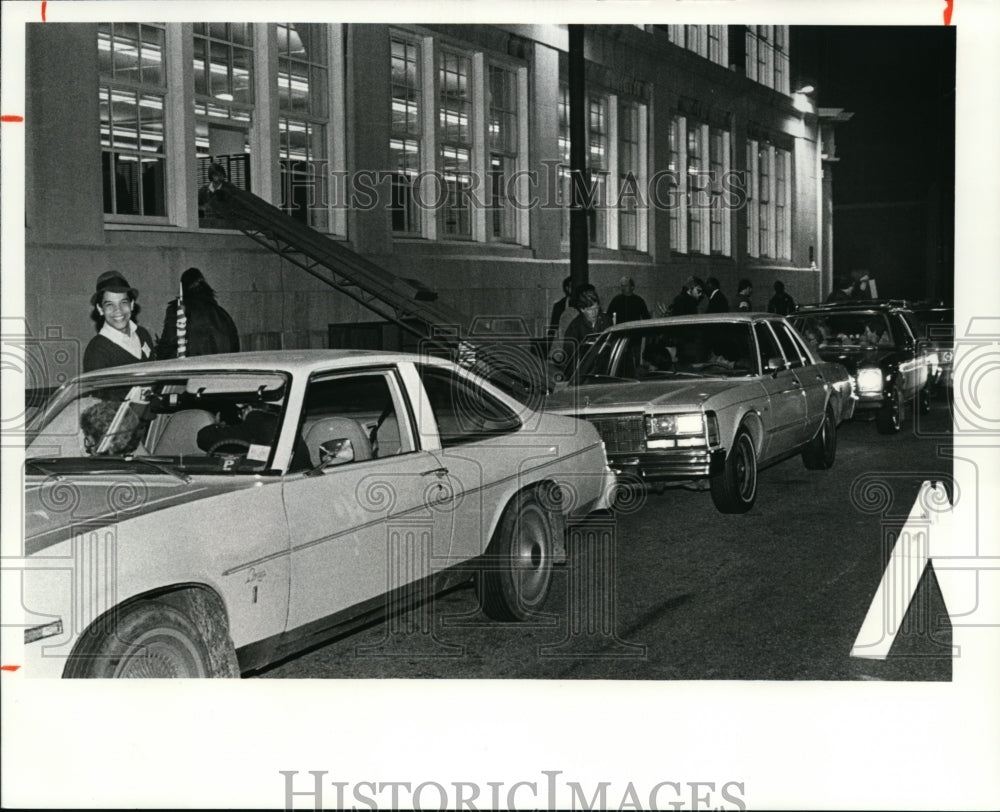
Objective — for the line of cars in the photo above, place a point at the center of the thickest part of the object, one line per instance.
(209, 516)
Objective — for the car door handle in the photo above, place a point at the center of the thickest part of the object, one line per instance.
(438, 472)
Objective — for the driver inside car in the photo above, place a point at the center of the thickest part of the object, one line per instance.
(255, 426)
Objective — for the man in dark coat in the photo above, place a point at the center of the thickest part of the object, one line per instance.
(627, 305)
(781, 303)
(120, 340)
(686, 302)
(717, 301)
(209, 328)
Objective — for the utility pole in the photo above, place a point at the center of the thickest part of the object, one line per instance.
(579, 233)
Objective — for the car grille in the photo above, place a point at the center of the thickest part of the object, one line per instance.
(620, 432)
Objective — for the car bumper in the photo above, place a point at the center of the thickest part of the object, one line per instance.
(682, 465)
(870, 403)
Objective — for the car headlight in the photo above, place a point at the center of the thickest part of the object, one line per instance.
(674, 430)
(869, 380)
(947, 356)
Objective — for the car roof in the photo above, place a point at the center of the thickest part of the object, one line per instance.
(854, 304)
(698, 318)
(294, 361)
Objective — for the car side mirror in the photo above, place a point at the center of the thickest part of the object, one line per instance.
(775, 365)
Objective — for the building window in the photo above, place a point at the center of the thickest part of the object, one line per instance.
(709, 41)
(455, 133)
(405, 141)
(782, 211)
(753, 205)
(780, 42)
(769, 217)
(767, 56)
(717, 44)
(565, 192)
(699, 217)
(677, 204)
(630, 174)
(502, 144)
(696, 205)
(598, 138)
(597, 154)
(303, 116)
(131, 99)
(764, 201)
(718, 162)
(223, 99)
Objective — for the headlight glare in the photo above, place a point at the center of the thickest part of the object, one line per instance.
(870, 379)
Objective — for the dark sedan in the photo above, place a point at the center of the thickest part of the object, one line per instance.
(934, 327)
(875, 342)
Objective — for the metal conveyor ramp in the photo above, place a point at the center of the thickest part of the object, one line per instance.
(413, 307)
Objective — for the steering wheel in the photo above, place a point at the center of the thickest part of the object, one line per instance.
(234, 447)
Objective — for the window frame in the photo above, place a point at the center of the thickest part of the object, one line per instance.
(110, 83)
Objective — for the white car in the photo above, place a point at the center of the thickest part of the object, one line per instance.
(208, 516)
(708, 398)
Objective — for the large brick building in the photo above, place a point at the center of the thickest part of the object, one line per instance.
(439, 152)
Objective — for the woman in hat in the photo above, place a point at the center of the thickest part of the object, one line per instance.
(120, 340)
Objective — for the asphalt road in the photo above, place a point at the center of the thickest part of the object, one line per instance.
(668, 588)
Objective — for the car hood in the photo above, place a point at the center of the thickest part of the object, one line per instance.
(639, 395)
(55, 505)
(854, 357)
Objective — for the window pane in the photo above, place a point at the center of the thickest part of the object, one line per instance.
(104, 55)
(404, 157)
(151, 124)
(242, 73)
(152, 55)
(124, 119)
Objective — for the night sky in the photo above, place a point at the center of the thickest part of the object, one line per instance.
(894, 184)
(900, 84)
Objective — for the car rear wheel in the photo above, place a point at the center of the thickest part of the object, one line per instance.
(889, 418)
(822, 449)
(151, 640)
(517, 567)
(734, 489)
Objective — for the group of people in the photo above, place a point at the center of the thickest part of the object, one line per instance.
(694, 291)
(578, 313)
(205, 326)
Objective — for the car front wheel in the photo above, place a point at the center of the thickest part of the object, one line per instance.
(517, 568)
(734, 489)
(822, 449)
(150, 640)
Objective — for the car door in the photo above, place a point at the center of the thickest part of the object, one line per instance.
(813, 384)
(478, 447)
(913, 363)
(785, 417)
(361, 507)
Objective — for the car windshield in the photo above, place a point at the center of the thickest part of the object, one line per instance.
(703, 349)
(855, 329)
(205, 422)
